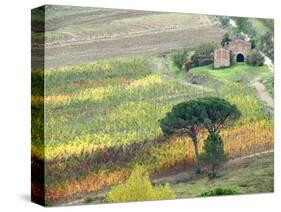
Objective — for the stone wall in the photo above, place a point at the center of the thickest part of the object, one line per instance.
(238, 46)
(221, 58)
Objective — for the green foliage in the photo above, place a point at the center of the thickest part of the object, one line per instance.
(214, 151)
(242, 23)
(88, 200)
(261, 30)
(244, 27)
(226, 38)
(224, 21)
(219, 192)
(203, 54)
(255, 58)
(139, 188)
(217, 113)
(253, 43)
(188, 118)
(256, 178)
(269, 84)
(179, 58)
(206, 49)
(184, 118)
(268, 23)
(267, 44)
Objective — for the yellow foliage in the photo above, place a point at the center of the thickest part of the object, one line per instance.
(142, 83)
(96, 94)
(139, 188)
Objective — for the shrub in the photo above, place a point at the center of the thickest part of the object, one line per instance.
(225, 39)
(224, 21)
(203, 54)
(139, 188)
(253, 43)
(206, 49)
(195, 60)
(242, 24)
(179, 58)
(89, 200)
(206, 61)
(198, 60)
(219, 192)
(255, 58)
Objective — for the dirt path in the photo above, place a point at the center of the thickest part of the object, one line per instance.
(163, 67)
(183, 175)
(174, 176)
(263, 94)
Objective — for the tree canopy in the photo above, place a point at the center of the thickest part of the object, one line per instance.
(206, 49)
(184, 118)
(217, 113)
(188, 118)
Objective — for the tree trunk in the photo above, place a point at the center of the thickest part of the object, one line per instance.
(195, 142)
(213, 171)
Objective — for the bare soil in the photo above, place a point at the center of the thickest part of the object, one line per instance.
(110, 33)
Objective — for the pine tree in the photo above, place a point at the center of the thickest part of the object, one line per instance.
(214, 152)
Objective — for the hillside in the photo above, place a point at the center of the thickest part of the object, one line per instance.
(77, 35)
(100, 115)
(108, 82)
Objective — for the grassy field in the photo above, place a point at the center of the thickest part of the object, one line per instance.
(237, 74)
(249, 176)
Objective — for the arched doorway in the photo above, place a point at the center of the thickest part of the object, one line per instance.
(240, 58)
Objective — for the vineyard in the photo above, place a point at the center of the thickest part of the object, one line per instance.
(102, 119)
(109, 79)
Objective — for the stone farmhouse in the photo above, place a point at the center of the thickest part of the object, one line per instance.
(233, 51)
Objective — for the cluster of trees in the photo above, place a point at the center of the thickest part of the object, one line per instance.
(245, 27)
(264, 42)
(191, 117)
(267, 44)
(224, 20)
(203, 55)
